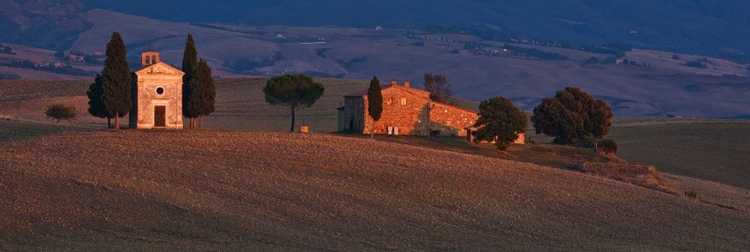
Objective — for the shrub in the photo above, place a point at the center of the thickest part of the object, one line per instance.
(696, 64)
(608, 146)
(587, 142)
(60, 112)
(691, 194)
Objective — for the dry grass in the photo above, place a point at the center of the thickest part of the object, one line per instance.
(572, 158)
(11, 130)
(240, 104)
(206, 190)
(706, 149)
(714, 66)
(642, 175)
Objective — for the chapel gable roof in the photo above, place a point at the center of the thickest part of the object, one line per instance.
(160, 68)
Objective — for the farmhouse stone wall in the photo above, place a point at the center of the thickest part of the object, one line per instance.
(351, 114)
(407, 109)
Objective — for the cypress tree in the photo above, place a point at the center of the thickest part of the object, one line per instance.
(193, 102)
(206, 89)
(189, 66)
(116, 79)
(374, 103)
(96, 103)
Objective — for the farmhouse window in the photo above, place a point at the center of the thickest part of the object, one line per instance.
(403, 100)
(389, 101)
(160, 90)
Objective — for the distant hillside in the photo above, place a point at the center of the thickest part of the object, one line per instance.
(649, 83)
(698, 26)
(49, 24)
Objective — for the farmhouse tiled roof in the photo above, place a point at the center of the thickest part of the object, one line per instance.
(414, 91)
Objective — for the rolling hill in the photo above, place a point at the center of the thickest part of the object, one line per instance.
(696, 26)
(207, 190)
(232, 189)
(697, 148)
(240, 186)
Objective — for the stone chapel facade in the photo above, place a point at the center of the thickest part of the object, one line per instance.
(157, 95)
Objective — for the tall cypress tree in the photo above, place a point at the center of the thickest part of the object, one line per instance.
(96, 103)
(189, 66)
(206, 89)
(374, 103)
(116, 79)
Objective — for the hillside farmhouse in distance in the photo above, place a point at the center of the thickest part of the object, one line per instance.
(406, 111)
(157, 95)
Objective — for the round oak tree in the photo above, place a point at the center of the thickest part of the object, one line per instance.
(292, 90)
(499, 121)
(374, 102)
(572, 115)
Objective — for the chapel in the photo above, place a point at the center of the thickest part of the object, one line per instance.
(156, 94)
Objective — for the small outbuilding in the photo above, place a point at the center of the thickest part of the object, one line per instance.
(157, 95)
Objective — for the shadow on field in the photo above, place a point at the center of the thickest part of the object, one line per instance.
(11, 130)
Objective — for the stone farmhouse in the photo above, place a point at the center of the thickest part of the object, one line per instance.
(157, 95)
(406, 111)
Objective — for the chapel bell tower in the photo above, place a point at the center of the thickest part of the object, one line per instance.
(149, 58)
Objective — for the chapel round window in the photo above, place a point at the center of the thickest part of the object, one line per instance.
(160, 90)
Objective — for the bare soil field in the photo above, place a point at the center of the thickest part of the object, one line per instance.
(229, 190)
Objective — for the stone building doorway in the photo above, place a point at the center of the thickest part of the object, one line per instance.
(160, 116)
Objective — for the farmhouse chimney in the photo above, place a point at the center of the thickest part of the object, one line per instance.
(406, 83)
(393, 82)
(149, 58)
